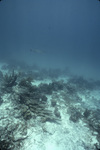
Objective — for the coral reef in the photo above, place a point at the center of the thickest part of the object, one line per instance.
(32, 102)
(9, 81)
(36, 104)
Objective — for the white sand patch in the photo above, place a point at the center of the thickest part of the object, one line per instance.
(47, 81)
(37, 82)
(66, 135)
(59, 137)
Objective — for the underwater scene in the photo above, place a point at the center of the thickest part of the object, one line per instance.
(49, 74)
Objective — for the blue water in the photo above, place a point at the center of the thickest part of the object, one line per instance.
(49, 58)
(65, 33)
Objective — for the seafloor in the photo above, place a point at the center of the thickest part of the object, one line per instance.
(48, 109)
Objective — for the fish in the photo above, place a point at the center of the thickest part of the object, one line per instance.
(38, 51)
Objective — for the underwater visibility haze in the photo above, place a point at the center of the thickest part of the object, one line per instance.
(68, 31)
(50, 74)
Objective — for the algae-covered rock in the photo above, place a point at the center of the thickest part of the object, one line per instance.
(53, 102)
(57, 113)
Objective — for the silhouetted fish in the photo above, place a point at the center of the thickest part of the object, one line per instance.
(38, 51)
